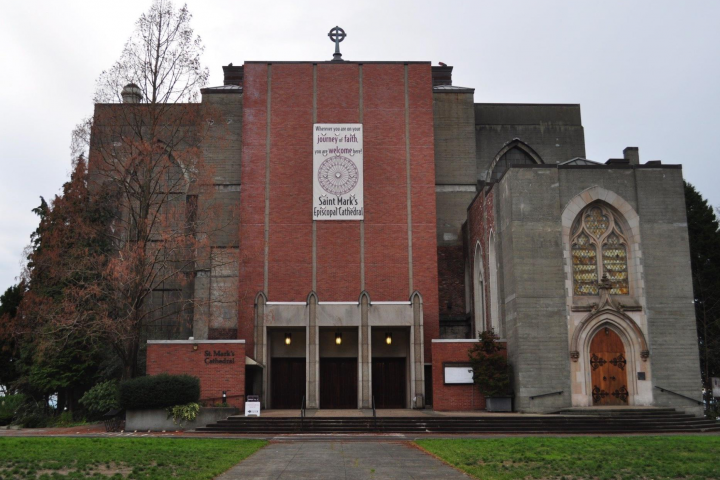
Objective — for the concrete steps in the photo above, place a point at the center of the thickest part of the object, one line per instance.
(574, 421)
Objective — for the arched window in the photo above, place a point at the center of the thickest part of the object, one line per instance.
(514, 156)
(479, 291)
(515, 152)
(494, 297)
(597, 231)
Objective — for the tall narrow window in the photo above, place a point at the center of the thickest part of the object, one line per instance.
(494, 296)
(615, 264)
(598, 231)
(479, 292)
(584, 266)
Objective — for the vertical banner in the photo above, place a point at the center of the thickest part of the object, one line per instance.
(338, 171)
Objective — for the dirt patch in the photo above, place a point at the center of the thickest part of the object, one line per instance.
(106, 470)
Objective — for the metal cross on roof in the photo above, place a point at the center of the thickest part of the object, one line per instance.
(337, 35)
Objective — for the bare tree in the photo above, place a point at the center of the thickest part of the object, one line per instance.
(145, 144)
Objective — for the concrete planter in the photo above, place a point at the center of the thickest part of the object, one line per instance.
(498, 404)
(157, 420)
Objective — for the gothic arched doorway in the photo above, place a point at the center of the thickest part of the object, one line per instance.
(608, 369)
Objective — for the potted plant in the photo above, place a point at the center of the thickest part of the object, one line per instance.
(491, 372)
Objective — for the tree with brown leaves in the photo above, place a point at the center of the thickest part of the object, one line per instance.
(145, 145)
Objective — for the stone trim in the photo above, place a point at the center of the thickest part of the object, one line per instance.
(516, 143)
(463, 340)
(623, 321)
(190, 342)
(455, 188)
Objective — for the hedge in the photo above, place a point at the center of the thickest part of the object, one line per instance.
(159, 391)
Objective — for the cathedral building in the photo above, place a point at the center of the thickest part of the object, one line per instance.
(386, 219)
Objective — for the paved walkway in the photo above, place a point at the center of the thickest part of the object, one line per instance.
(341, 460)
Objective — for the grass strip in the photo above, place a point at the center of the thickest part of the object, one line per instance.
(120, 458)
(583, 457)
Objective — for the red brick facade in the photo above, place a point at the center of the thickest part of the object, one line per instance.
(219, 365)
(453, 397)
(480, 224)
(451, 286)
(381, 97)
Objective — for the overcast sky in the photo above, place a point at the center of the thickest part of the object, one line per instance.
(647, 73)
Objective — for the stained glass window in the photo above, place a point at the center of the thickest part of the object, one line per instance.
(584, 266)
(596, 231)
(596, 222)
(615, 264)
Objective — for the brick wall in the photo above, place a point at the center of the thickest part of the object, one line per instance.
(382, 111)
(451, 281)
(210, 363)
(481, 221)
(453, 397)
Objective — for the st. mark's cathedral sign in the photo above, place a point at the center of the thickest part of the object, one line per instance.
(338, 171)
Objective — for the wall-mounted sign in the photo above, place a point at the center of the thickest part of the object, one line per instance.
(458, 374)
(338, 171)
(213, 357)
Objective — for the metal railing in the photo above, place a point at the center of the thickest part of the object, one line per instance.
(374, 413)
(302, 414)
(679, 395)
(559, 392)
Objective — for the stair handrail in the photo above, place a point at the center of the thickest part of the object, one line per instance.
(302, 414)
(559, 392)
(662, 389)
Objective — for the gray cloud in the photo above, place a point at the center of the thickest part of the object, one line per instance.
(645, 72)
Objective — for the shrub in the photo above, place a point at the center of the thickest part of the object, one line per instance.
(101, 398)
(65, 419)
(183, 413)
(159, 391)
(8, 406)
(32, 414)
(491, 371)
(34, 420)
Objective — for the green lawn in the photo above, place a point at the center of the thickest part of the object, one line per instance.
(116, 458)
(633, 457)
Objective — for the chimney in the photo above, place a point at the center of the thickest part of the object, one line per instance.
(442, 75)
(131, 94)
(233, 75)
(632, 155)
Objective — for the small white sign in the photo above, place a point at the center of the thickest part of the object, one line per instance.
(338, 171)
(458, 375)
(716, 387)
(252, 408)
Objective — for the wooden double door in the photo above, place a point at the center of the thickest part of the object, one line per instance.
(338, 383)
(287, 382)
(608, 369)
(388, 382)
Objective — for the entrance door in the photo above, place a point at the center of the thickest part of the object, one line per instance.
(338, 383)
(388, 382)
(288, 382)
(608, 364)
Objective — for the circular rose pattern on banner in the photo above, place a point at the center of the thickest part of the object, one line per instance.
(338, 175)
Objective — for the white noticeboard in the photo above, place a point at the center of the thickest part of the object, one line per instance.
(458, 374)
(716, 387)
(252, 408)
(338, 171)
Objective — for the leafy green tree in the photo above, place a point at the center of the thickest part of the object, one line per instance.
(491, 371)
(704, 233)
(9, 303)
(67, 250)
